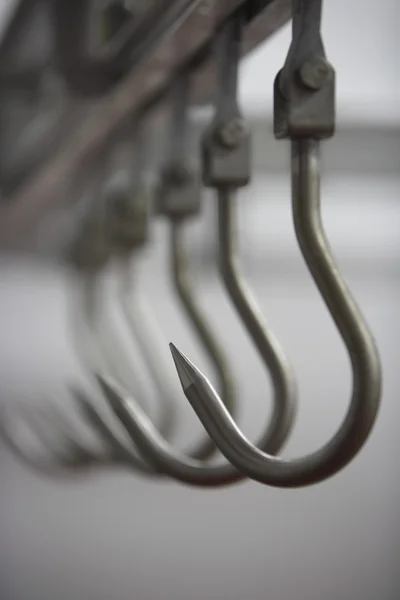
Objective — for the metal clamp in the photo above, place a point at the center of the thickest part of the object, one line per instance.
(225, 145)
(304, 89)
(94, 245)
(178, 193)
(92, 249)
(127, 197)
(128, 216)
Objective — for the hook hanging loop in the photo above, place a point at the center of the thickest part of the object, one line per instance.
(304, 89)
(179, 199)
(178, 194)
(128, 197)
(225, 145)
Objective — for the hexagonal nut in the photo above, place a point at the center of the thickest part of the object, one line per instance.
(129, 217)
(231, 133)
(304, 113)
(179, 191)
(91, 251)
(176, 174)
(315, 73)
(223, 165)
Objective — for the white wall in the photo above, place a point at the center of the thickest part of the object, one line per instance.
(119, 536)
(361, 41)
(115, 535)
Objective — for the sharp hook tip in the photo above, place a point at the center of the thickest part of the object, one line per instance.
(187, 372)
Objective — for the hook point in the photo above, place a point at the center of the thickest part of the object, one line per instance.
(187, 371)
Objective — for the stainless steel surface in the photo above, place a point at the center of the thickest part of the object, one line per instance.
(170, 461)
(179, 199)
(365, 401)
(108, 347)
(178, 194)
(90, 537)
(304, 89)
(186, 293)
(227, 165)
(142, 324)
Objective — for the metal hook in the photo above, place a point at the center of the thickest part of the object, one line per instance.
(178, 199)
(128, 218)
(148, 439)
(130, 208)
(303, 112)
(143, 326)
(131, 234)
(67, 454)
(134, 237)
(90, 255)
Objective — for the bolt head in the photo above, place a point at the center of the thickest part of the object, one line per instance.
(232, 133)
(177, 175)
(315, 73)
(120, 204)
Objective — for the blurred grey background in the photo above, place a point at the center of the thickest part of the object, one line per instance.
(117, 535)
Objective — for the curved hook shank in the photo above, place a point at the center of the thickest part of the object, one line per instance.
(84, 313)
(157, 451)
(144, 435)
(183, 467)
(65, 457)
(143, 327)
(181, 276)
(365, 401)
(269, 349)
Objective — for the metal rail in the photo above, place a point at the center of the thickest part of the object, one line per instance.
(182, 43)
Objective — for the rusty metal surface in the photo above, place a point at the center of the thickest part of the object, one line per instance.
(187, 39)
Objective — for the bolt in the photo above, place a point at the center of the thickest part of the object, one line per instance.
(178, 174)
(315, 73)
(120, 204)
(232, 133)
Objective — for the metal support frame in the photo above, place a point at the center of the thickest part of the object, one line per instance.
(184, 43)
